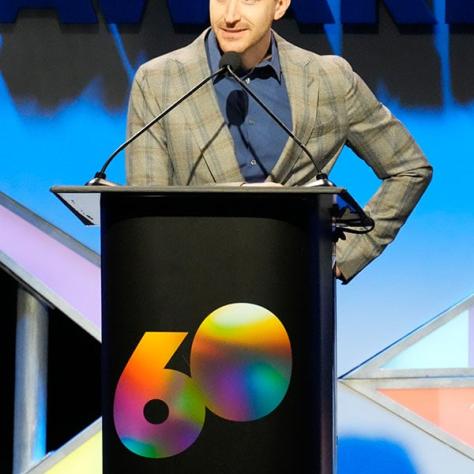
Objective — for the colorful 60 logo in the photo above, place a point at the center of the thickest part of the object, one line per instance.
(240, 370)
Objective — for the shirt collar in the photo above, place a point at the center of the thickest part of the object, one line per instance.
(214, 56)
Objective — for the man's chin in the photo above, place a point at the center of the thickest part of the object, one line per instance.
(234, 48)
(231, 44)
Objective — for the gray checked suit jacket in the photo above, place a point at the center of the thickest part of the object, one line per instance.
(331, 107)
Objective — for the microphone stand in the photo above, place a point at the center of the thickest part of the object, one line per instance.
(321, 178)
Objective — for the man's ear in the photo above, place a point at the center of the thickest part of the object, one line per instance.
(281, 7)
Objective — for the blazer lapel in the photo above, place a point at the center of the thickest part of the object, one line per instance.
(207, 124)
(303, 89)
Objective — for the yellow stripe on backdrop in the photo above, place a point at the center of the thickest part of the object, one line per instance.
(87, 458)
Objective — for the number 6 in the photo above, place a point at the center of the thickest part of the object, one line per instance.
(144, 379)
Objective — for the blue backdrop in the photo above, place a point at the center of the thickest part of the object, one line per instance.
(63, 94)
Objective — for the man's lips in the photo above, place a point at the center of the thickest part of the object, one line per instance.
(232, 32)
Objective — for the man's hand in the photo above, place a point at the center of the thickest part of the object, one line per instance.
(338, 274)
(265, 184)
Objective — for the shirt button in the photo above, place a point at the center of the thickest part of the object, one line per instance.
(253, 162)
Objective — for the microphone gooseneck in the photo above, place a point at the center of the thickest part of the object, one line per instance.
(232, 61)
(99, 178)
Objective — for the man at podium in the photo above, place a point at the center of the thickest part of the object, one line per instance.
(221, 135)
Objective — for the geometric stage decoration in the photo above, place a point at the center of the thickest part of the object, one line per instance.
(64, 275)
(451, 409)
(427, 377)
(53, 265)
(81, 455)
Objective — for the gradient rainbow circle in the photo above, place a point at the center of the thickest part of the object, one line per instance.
(241, 357)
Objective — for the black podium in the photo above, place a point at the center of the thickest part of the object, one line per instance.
(218, 329)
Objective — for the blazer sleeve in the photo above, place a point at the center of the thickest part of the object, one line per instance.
(378, 138)
(147, 158)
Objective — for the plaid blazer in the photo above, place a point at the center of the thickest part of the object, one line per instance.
(331, 107)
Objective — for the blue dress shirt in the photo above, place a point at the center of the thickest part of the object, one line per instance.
(258, 140)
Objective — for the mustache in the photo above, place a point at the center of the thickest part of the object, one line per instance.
(240, 25)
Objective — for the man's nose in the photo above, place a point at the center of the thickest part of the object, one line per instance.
(232, 11)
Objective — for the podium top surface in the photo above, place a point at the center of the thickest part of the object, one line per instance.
(214, 189)
(84, 201)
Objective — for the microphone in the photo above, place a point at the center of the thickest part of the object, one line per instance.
(232, 63)
(99, 178)
(231, 60)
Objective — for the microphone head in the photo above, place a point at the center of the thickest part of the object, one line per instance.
(231, 59)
